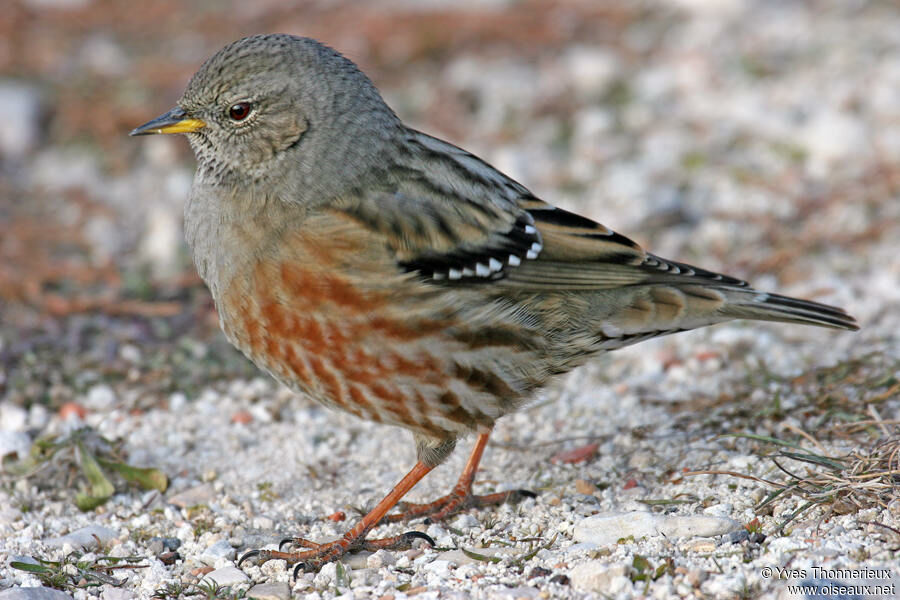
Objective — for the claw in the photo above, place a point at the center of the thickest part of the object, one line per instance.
(249, 554)
(300, 566)
(287, 540)
(409, 536)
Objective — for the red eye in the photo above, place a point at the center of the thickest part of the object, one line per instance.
(239, 111)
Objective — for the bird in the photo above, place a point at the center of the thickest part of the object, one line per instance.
(395, 276)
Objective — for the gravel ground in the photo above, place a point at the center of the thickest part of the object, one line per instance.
(761, 139)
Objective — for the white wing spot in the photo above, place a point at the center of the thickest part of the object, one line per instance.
(514, 260)
(495, 265)
(437, 275)
(482, 270)
(529, 229)
(454, 274)
(467, 272)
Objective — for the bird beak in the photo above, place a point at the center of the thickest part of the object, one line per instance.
(174, 121)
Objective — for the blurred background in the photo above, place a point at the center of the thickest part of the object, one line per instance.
(760, 138)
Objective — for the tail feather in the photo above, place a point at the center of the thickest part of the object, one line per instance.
(761, 306)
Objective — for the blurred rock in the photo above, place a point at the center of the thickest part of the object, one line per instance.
(33, 593)
(104, 56)
(86, 537)
(14, 442)
(21, 119)
(12, 417)
(831, 136)
(591, 69)
(598, 576)
(57, 4)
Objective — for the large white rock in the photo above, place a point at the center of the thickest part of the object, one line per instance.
(605, 529)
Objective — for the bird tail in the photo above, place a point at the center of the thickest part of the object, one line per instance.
(747, 303)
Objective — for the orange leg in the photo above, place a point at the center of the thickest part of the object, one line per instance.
(461, 496)
(319, 554)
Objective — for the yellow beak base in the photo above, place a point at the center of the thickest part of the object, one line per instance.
(174, 121)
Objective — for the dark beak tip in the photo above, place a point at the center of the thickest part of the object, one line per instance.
(153, 126)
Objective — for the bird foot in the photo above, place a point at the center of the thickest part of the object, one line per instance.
(454, 502)
(318, 555)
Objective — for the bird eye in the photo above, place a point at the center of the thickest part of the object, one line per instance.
(239, 111)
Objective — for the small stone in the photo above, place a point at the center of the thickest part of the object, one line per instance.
(380, 559)
(700, 545)
(9, 515)
(130, 353)
(560, 579)
(100, 397)
(72, 411)
(177, 401)
(229, 575)
(270, 591)
(438, 568)
(16, 443)
(38, 417)
(201, 494)
(595, 576)
(466, 521)
(590, 68)
(12, 417)
(719, 510)
(641, 460)
(86, 537)
(242, 417)
(439, 535)
(21, 119)
(326, 576)
(33, 593)
(167, 543)
(736, 537)
(404, 561)
(111, 592)
(539, 572)
(584, 487)
(695, 577)
(757, 538)
(219, 550)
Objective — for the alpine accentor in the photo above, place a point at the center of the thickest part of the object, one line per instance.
(395, 276)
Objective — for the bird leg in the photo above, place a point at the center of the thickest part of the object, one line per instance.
(461, 497)
(317, 555)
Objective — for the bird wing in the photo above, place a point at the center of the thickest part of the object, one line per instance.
(450, 240)
(456, 221)
(452, 218)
